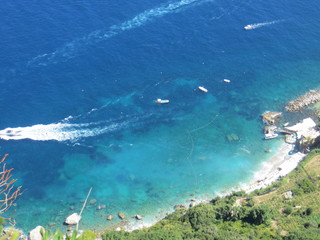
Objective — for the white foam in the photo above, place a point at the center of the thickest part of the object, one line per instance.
(258, 25)
(58, 131)
(70, 49)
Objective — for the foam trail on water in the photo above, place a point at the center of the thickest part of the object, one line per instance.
(258, 25)
(71, 49)
(58, 131)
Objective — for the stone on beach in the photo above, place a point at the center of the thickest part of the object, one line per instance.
(138, 217)
(121, 215)
(73, 219)
(35, 234)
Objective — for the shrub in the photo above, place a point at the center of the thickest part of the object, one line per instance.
(87, 235)
(259, 215)
(306, 185)
(309, 211)
(203, 214)
(297, 191)
(287, 210)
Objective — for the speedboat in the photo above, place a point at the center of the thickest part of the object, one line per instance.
(159, 100)
(203, 89)
(270, 135)
(248, 27)
(226, 80)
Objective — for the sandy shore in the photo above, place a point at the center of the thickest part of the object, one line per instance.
(279, 165)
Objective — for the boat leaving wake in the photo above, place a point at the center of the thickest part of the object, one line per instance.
(59, 131)
(258, 25)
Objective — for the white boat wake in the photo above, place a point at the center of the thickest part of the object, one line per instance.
(71, 49)
(58, 131)
(258, 25)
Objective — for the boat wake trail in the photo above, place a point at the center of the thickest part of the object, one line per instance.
(258, 25)
(71, 49)
(60, 131)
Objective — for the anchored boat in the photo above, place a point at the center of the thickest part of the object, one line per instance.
(270, 135)
(159, 100)
(203, 89)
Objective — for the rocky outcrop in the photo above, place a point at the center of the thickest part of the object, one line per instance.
(270, 117)
(304, 101)
(121, 215)
(180, 206)
(35, 234)
(73, 219)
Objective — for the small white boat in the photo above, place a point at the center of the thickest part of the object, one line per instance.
(270, 135)
(203, 89)
(159, 100)
(226, 80)
(248, 27)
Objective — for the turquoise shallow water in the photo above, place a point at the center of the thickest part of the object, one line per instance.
(78, 90)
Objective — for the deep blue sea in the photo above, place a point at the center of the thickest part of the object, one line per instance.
(78, 84)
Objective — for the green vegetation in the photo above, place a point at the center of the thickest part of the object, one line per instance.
(264, 214)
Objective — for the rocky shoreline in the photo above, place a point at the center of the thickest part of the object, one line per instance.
(311, 97)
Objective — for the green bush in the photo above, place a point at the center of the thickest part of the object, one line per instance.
(309, 211)
(306, 185)
(259, 215)
(287, 210)
(87, 235)
(297, 192)
(203, 214)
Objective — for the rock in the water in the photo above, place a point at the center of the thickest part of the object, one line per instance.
(73, 219)
(180, 206)
(35, 234)
(304, 101)
(121, 215)
(270, 117)
(138, 217)
(110, 217)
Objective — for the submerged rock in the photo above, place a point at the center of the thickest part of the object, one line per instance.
(233, 137)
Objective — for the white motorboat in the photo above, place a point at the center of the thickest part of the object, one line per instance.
(270, 135)
(159, 100)
(203, 89)
(248, 27)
